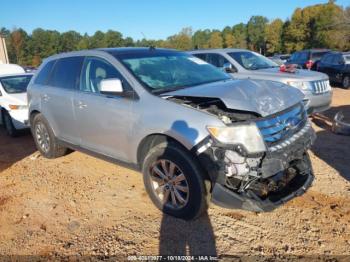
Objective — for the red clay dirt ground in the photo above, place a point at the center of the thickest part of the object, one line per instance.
(79, 205)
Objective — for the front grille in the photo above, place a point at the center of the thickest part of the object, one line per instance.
(320, 87)
(278, 127)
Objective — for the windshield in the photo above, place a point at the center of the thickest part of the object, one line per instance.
(171, 71)
(252, 61)
(15, 84)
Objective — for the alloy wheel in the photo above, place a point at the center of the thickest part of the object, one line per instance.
(42, 137)
(169, 184)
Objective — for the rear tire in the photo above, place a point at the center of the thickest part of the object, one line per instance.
(45, 140)
(191, 186)
(346, 82)
(8, 124)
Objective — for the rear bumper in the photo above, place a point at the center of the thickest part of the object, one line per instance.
(318, 103)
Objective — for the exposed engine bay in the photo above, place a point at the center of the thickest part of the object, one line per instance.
(270, 176)
(215, 107)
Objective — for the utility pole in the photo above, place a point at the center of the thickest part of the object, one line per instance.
(4, 59)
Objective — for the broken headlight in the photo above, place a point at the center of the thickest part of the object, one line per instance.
(247, 135)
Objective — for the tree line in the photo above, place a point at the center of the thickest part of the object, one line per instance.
(318, 26)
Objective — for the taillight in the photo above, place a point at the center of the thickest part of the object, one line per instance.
(309, 64)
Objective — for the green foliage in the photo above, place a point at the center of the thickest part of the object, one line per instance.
(240, 35)
(273, 36)
(321, 25)
(324, 25)
(215, 40)
(182, 40)
(200, 39)
(256, 28)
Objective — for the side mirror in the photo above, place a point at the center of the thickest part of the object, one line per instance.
(112, 86)
(341, 62)
(228, 68)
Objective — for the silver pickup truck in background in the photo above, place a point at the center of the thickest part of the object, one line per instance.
(242, 64)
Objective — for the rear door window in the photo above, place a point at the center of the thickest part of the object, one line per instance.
(216, 60)
(201, 56)
(338, 59)
(66, 72)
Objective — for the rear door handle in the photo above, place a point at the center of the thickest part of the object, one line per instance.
(82, 105)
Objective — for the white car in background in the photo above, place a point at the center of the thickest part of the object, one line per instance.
(13, 98)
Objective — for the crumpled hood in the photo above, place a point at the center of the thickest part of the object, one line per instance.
(300, 74)
(259, 96)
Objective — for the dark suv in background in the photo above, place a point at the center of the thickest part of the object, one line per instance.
(307, 59)
(337, 66)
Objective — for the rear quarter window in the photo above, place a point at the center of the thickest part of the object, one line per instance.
(66, 72)
(44, 73)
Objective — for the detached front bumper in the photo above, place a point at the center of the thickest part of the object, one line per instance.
(19, 118)
(273, 164)
(224, 197)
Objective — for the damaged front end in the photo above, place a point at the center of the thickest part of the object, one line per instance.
(257, 163)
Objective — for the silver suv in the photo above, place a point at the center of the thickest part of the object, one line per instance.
(241, 64)
(192, 130)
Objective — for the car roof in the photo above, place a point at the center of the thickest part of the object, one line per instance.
(11, 69)
(135, 50)
(17, 74)
(113, 51)
(224, 50)
(339, 53)
(315, 50)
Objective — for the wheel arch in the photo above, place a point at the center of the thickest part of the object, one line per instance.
(151, 141)
(32, 115)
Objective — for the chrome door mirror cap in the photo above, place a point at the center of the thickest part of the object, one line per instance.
(228, 68)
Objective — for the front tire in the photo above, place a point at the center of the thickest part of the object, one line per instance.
(346, 82)
(8, 124)
(174, 181)
(45, 140)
